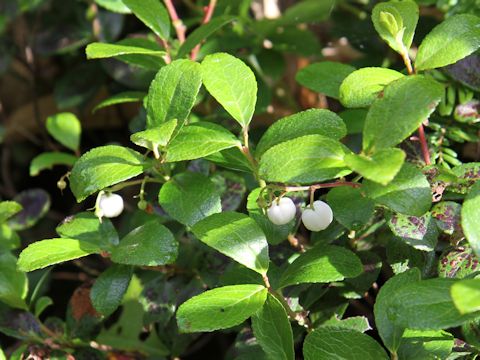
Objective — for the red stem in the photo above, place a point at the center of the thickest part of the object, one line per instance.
(424, 145)
(206, 18)
(176, 21)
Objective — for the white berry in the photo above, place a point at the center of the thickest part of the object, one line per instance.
(319, 217)
(282, 211)
(110, 205)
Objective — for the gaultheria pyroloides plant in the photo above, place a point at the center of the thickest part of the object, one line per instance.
(379, 197)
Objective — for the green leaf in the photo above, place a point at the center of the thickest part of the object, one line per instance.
(322, 264)
(408, 193)
(114, 5)
(454, 39)
(41, 304)
(389, 332)
(189, 198)
(419, 232)
(272, 330)
(85, 226)
(220, 308)
(9, 239)
(153, 14)
(363, 86)
(13, 283)
(108, 290)
(8, 209)
(232, 84)
(305, 12)
(307, 159)
(198, 140)
(48, 160)
(324, 77)
(425, 344)
(203, 32)
(150, 244)
(155, 138)
(466, 295)
(66, 129)
(308, 122)
(426, 304)
(385, 125)
(173, 92)
(121, 98)
(471, 218)
(98, 50)
(357, 323)
(102, 167)
(326, 343)
(381, 167)
(275, 234)
(350, 207)
(35, 204)
(237, 236)
(44, 253)
(396, 21)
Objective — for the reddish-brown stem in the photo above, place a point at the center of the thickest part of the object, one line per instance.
(177, 23)
(321, 186)
(206, 18)
(424, 145)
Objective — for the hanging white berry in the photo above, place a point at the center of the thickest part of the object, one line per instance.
(110, 205)
(319, 217)
(282, 211)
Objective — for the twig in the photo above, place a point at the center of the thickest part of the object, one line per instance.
(424, 145)
(206, 18)
(180, 28)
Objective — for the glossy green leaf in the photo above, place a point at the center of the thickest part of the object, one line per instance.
(326, 343)
(305, 12)
(66, 129)
(454, 39)
(350, 207)
(173, 92)
(155, 138)
(324, 77)
(466, 295)
(220, 308)
(153, 14)
(41, 304)
(363, 86)
(114, 5)
(391, 333)
(408, 193)
(237, 236)
(273, 331)
(13, 283)
(322, 264)
(48, 160)
(308, 122)
(150, 244)
(232, 83)
(8, 209)
(203, 32)
(9, 238)
(396, 21)
(381, 167)
(199, 140)
(385, 125)
(357, 323)
(419, 232)
(109, 288)
(189, 197)
(307, 159)
(44, 253)
(85, 226)
(98, 50)
(425, 344)
(426, 304)
(102, 167)
(471, 218)
(121, 98)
